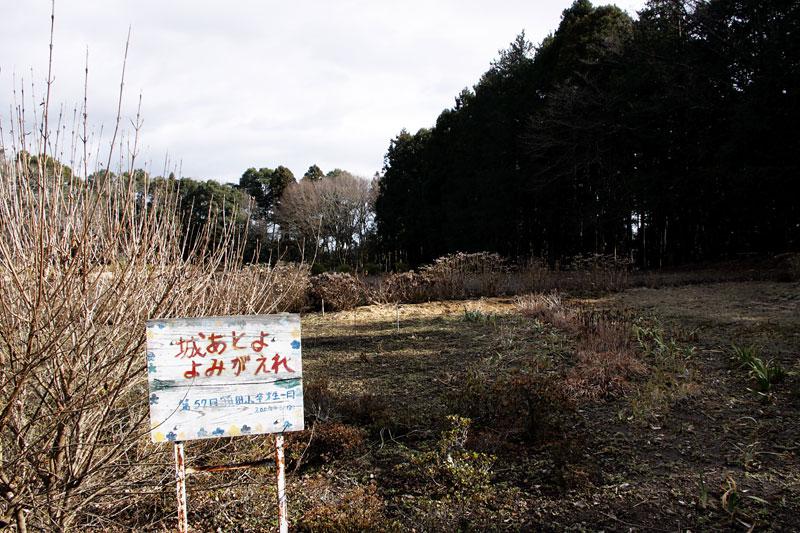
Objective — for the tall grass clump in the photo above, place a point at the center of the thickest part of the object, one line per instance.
(83, 264)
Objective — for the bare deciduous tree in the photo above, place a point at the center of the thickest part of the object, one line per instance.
(335, 212)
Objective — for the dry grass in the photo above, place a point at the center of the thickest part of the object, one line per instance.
(382, 453)
(605, 373)
(606, 359)
(357, 509)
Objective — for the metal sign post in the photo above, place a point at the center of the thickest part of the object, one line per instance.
(283, 524)
(180, 484)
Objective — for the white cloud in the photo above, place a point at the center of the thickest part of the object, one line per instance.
(248, 83)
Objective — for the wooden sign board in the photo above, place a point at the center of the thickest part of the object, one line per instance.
(224, 376)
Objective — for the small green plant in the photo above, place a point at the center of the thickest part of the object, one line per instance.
(476, 315)
(765, 372)
(652, 340)
(671, 376)
(744, 354)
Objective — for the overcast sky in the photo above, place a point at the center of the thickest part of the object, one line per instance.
(230, 85)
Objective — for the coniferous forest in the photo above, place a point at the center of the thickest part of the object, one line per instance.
(668, 139)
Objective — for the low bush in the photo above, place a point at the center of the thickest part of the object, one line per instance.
(534, 276)
(606, 360)
(357, 509)
(478, 316)
(337, 291)
(403, 287)
(664, 351)
(449, 465)
(460, 275)
(282, 287)
(516, 404)
(365, 410)
(325, 442)
(318, 400)
(540, 306)
(603, 272)
(600, 374)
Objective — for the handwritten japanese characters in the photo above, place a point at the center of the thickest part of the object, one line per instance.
(224, 376)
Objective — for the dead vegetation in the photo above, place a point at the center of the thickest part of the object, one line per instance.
(511, 414)
(570, 412)
(83, 264)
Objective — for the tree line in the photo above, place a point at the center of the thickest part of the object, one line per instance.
(327, 217)
(324, 217)
(669, 138)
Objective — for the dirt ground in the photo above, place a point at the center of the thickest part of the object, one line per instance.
(686, 445)
(725, 433)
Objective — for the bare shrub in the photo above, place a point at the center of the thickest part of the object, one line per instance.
(281, 287)
(83, 264)
(599, 374)
(339, 291)
(604, 331)
(549, 308)
(607, 360)
(601, 272)
(403, 287)
(594, 273)
(366, 409)
(541, 306)
(288, 285)
(449, 465)
(461, 274)
(535, 276)
(325, 442)
(318, 399)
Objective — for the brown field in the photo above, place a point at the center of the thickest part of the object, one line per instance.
(574, 423)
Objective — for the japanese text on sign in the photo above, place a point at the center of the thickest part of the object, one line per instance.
(224, 376)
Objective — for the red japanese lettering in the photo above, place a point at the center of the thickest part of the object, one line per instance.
(236, 339)
(193, 373)
(277, 361)
(215, 345)
(217, 365)
(188, 348)
(259, 344)
(239, 363)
